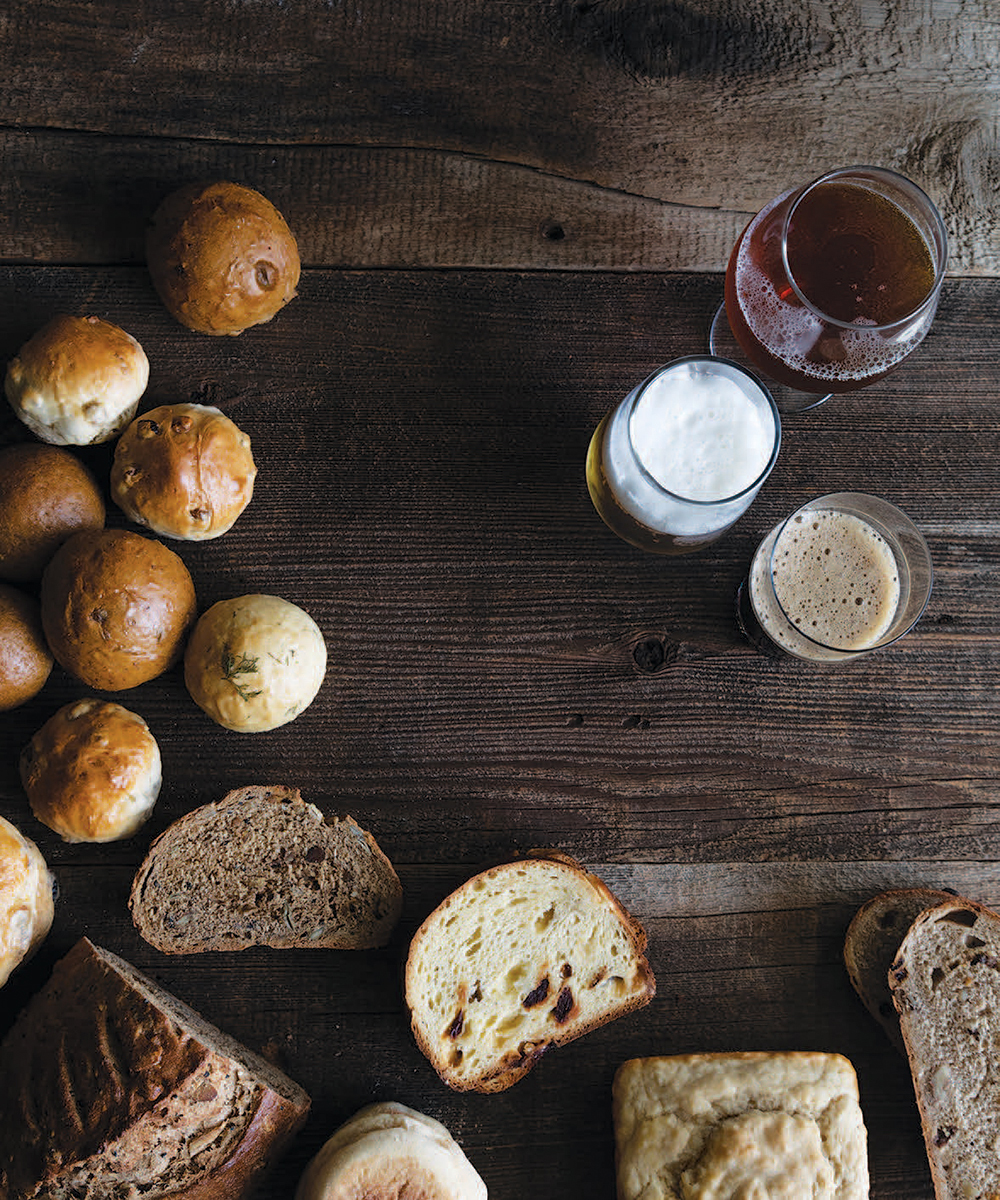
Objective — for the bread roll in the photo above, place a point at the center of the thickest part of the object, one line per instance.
(77, 381)
(25, 661)
(255, 662)
(221, 257)
(46, 494)
(116, 608)
(92, 772)
(388, 1151)
(183, 470)
(27, 887)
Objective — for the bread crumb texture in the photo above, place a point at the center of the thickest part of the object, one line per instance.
(728, 1126)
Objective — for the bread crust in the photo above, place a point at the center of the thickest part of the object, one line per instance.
(27, 889)
(25, 660)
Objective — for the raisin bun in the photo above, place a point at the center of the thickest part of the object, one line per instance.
(25, 661)
(184, 471)
(221, 257)
(255, 662)
(92, 772)
(116, 608)
(27, 888)
(77, 381)
(46, 494)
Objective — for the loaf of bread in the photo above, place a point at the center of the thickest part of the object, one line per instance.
(387, 1152)
(872, 942)
(263, 868)
(728, 1125)
(27, 891)
(113, 1087)
(522, 957)
(945, 985)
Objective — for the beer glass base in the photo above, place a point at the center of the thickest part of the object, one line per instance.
(722, 344)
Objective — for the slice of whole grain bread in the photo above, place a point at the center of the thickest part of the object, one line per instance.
(263, 868)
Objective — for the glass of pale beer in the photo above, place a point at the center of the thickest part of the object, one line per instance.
(681, 458)
(832, 285)
(844, 575)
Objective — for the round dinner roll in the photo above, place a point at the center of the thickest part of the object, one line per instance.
(46, 494)
(221, 257)
(77, 381)
(116, 608)
(92, 772)
(184, 471)
(255, 662)
(25, 661)
(387, 1151)
(27, 888)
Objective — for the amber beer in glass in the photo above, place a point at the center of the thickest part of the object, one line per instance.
(832, 285)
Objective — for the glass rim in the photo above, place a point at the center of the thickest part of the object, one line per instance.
(939, 251)
(640, 390)
(817, 503)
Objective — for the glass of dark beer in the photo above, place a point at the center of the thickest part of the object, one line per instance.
(832, 285)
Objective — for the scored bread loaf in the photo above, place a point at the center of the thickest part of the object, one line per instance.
(112, 1087)
(263, 868)
(945, 985)
(522, 957)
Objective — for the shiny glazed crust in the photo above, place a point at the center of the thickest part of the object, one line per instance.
(116, 608)
(26, 904)
(184, 471)
(25, 661)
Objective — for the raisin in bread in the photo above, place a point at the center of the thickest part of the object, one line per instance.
(112, 1088)
(872, 942)
(263, 868)
(946, 988)
(524, 956)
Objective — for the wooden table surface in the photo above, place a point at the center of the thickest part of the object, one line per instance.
(508, 214)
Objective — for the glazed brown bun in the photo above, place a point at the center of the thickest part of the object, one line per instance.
(92, 772)
(46, 494)
(184, 471)
(116, 607)
(27, 888)
(25, 661)
(221, 257)
(77, 381)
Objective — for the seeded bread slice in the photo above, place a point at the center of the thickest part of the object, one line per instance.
(263, 868)
(112, 1087)
(872, 943)
(945, 985)
(527, 955)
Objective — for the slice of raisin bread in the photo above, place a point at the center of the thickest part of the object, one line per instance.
(872, 942)
(263, 868)
(945, 984)
(524, 956)
(112, 1087)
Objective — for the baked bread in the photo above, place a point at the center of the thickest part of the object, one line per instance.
(92, 772)
(522, 957)
(387, 1151)
(264, 868)
(27, 893)
(255, 662)
(116, 608)
(221, 257)
(773, 1126)
(945, 985)
(872, 942)
(116, 1088)
(184, 471)
(25, 661)
(46, 494)
(77, 381)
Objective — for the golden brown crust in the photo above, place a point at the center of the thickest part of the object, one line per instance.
(116, 608)
(221, 257)
(92, 772)
(184, 471)
(46, 494)
(77, 381)
(26, 898)
(25, 661)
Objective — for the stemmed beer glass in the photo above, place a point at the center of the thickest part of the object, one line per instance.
(833, 284)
